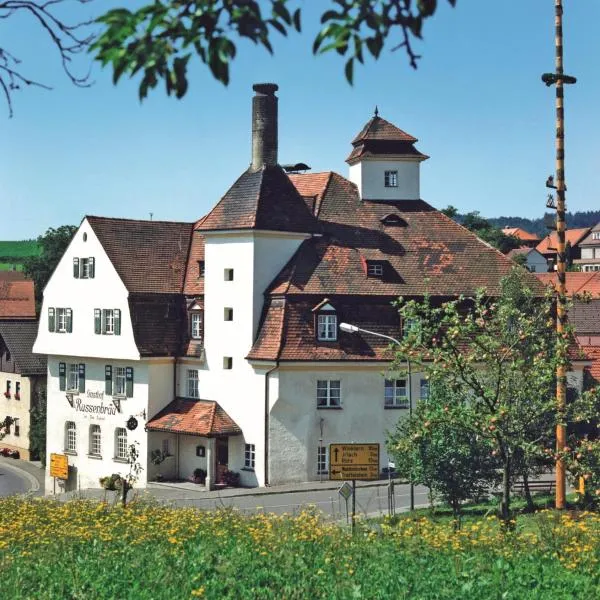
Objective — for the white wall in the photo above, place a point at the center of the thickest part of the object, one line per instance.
(105, 290)
(368, 175)
(295, 419)
(17, 409)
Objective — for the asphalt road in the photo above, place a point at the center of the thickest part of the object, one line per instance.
(13, 481)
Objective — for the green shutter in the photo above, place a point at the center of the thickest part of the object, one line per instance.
(76, 268)
(62, 376)
(92, 267)
(108, 384)
(82, 377)
(69, 316)
(129, 382)
(103, 325)
(97, 321)
(51, 320)
(117, 314)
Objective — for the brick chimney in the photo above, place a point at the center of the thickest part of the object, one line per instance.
(264, 125)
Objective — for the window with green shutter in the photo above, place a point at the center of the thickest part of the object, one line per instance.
(92, 267)
(69, 313)
(129, 382)
(76, 268)
(51, 320)
(117, 313)
(82, 377)
(108, 380)
(97, 321)
(62, 376)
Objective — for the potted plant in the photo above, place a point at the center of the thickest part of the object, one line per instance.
(231, 478)
(199, 476)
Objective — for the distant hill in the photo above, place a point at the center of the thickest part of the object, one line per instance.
(13, 253)
(574, 220)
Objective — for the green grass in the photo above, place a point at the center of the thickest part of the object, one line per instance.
(11, 266)
(19, 249)
(89, 550)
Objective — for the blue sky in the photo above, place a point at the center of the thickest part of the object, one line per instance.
(476, 103)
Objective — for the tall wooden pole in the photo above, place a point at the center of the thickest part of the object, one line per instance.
(561, 374)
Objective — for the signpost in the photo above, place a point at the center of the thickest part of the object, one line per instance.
(354, 461)
(59, 466)
(345, 492)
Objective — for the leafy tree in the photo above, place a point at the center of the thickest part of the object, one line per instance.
(160, 38)
(69, 40)
(37, 427)
(498, 357)
(40, 268)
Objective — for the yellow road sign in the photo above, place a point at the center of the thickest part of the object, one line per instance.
(59, 466)
(354, 461)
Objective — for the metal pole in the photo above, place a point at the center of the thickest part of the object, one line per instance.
(561, 375)
(412, 487)
(353, 503)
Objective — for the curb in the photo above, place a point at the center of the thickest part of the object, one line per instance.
(35, 484)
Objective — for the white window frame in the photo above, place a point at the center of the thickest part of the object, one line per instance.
(95, 440)
(73, 376)
(329, 393)
(120, 375)
(327, 327)
(390, 179)
(249, 456)
(322, 460)
(84, 265)
(396, 393)
(196, 318)
(424, 390)
(108, 315)
(596, 235)
(70, 436)
(61, 320)
(17, 431)
(374, 269)
(193, 384)
(121, 443)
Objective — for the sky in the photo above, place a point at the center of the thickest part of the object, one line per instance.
(476, 103)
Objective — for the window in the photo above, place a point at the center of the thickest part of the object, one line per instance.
(119, 389)
(73, 378)
(322, 460)
(328, 393)
(17, 390)
(227, 362)
(391, 179)
(374, 269)
(532, 268)
(17, 431)
(228, 274)
(83, 268)
(327, 327)
(396, 393)
(95, 440)
(201, 269)
(70, 437)
(121, 443)
(596, 235)
(411, 326)
(197, 325)
(61, 320)
(249, 456)
(228, 314)
(192, 383)
(424, 390)
(166, 447)
(118, 381)
(8, 389)
(107, 321)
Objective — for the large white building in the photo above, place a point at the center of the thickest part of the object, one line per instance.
(217, 343)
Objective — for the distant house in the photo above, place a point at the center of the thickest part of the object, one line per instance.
(590, 251)
(529, 240)
(573, 238)
(17, 299)
(534, 261)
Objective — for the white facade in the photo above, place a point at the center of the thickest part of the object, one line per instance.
(370, 177)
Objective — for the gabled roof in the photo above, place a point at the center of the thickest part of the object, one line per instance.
(17, 298)
(575, 282)
(19, 337)
(311, 185)
(522, 250)
(194, 417)
(549, 244)
(521, 234)
(265, 200)
(149, 256)
(589, 240)
(585, 317)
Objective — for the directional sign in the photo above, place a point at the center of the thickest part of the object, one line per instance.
(354, 461)
(59, 466)
(345, 491)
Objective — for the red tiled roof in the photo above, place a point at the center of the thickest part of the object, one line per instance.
(269, 340)
(263, 199)
(585, 317)
(575, 282)
(194, 284)
(517, 251)
(593, 354)
(194, 417)
(17, 298)
(520, 234)
(149, 256)
(549, 244)
(312, 185)
(380, 129)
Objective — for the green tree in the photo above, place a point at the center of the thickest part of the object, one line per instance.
(37, 427)
(40, 268)
(161, 38)
(498, 357)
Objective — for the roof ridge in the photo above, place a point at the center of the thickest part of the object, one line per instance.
(212, 417)
(325, 189)
(139, 220)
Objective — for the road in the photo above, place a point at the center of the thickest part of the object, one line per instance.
(13, 481)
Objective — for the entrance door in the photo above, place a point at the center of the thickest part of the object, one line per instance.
(222, 458)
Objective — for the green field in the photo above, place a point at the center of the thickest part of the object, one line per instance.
(13, 253)
(85, 549)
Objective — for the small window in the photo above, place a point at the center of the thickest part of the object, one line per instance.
(424, 390)
(95, 440)
(120, 381)
(328, 393)
(7, 393)
(84, 236)
(109, 321)
(17, 425)
(192, 383)
(201, 451)
(327, 327)
(73, 378)
(396, 393)
(70, 437)
(61, 320)
(121, 443)
(322, 460)
(249, 456)
(228, 314)
(596, 235)
(227, 362)
(411, 326)
(374, 269)
(196, 319)
(201, 269)
(17, 390)
(228, 274)
(85, 268)
(391, 179)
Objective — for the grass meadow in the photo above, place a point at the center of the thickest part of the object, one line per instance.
(84, 549)
(12, 253)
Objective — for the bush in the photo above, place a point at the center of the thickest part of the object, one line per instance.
(112, 483)
(231, 478)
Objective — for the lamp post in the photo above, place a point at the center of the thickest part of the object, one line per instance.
(348, 328)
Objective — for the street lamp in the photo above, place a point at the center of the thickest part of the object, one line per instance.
(348, 328)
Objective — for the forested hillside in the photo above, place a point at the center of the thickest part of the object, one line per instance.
(574, 220)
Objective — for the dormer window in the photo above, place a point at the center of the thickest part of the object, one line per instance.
(326, 323)
(196, 320)
(374, 268)
(393, 219)
(391, 178)
(200, 269)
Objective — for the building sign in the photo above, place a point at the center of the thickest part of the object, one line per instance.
(59, 466)
(354, 461)
(80, 404)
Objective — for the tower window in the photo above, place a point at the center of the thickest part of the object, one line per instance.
(391, 179)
